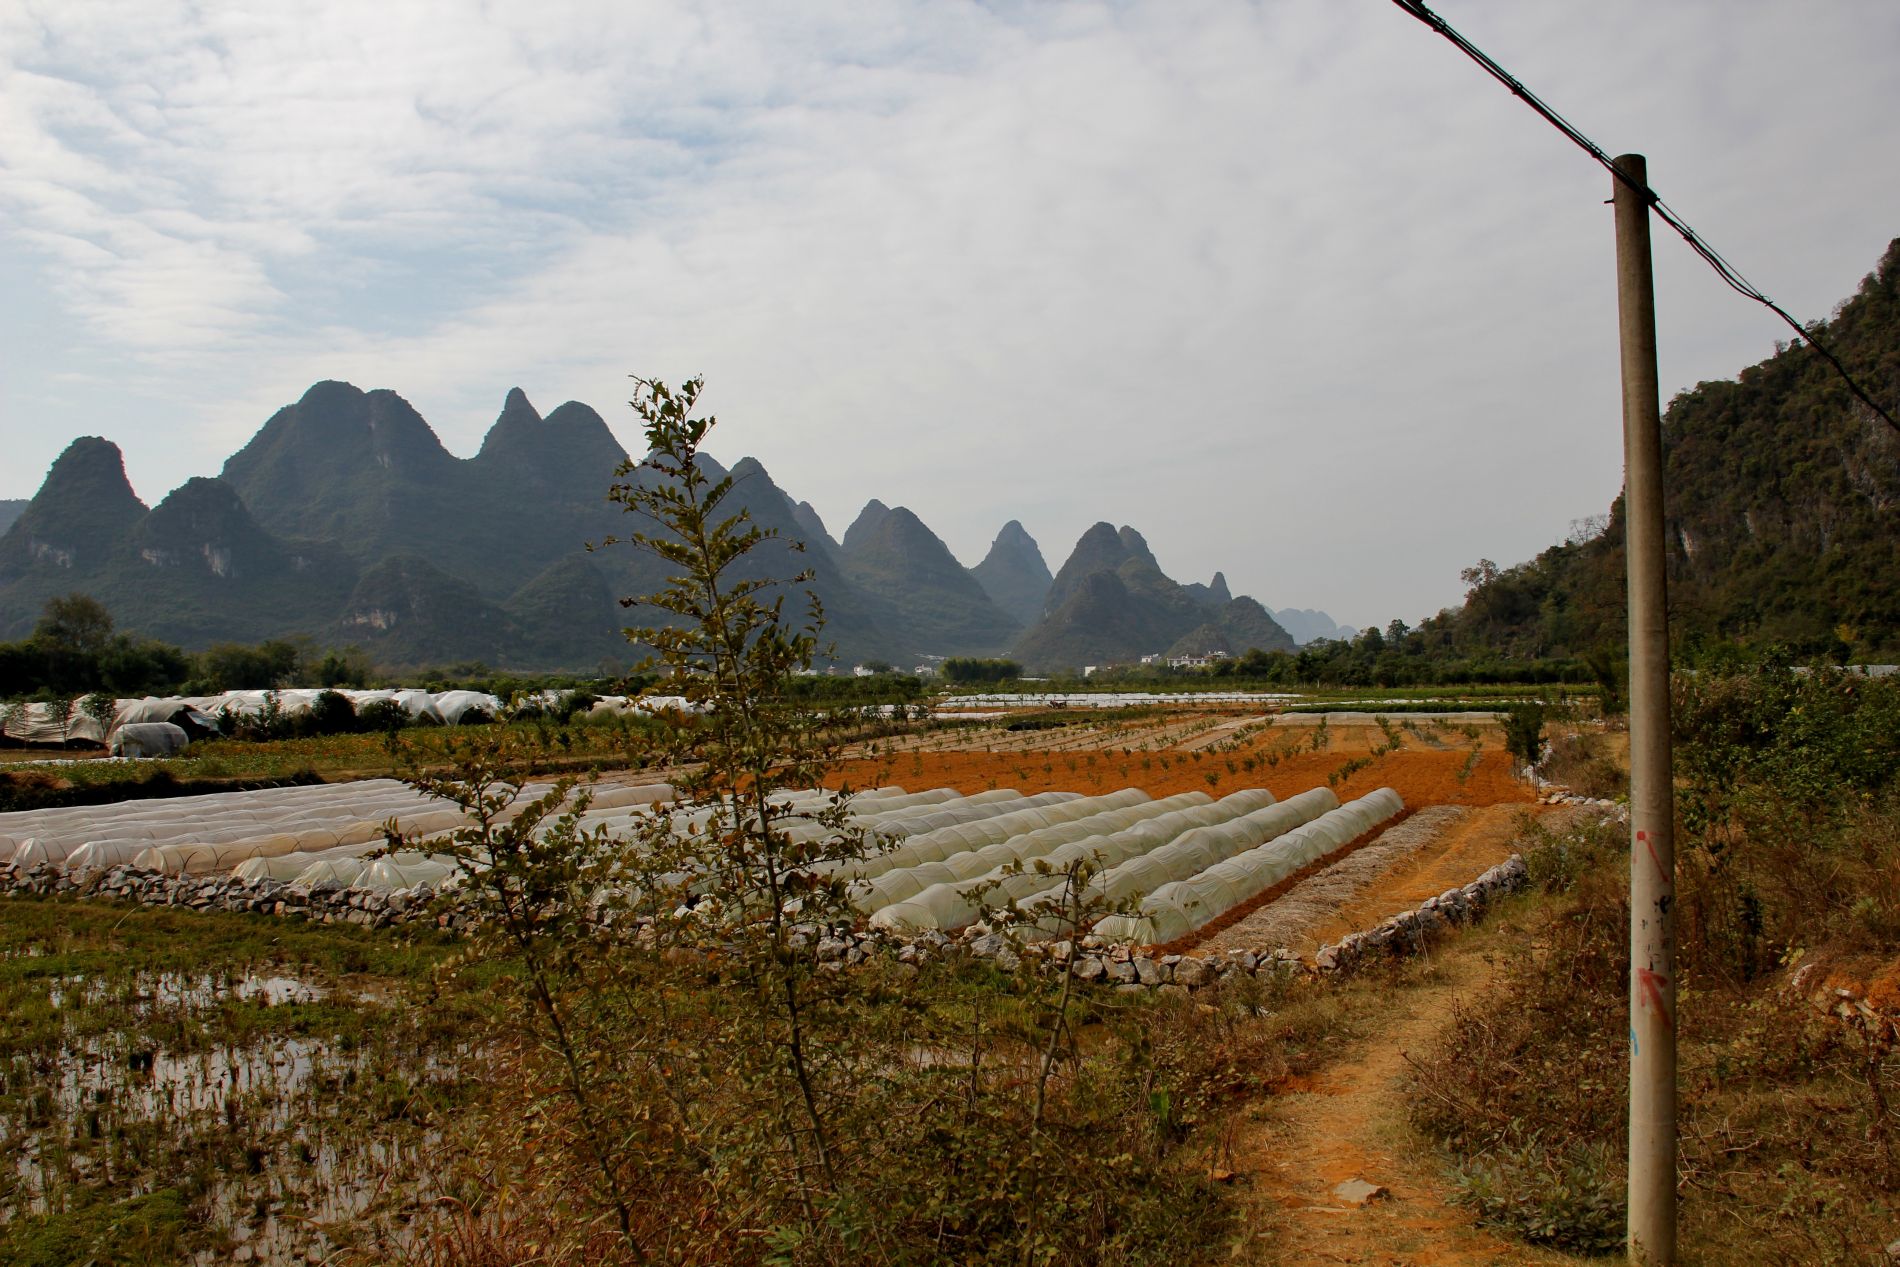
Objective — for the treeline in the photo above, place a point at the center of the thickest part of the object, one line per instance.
(877, 688)
(1395, 657)
(75, 651)
(1401, 657)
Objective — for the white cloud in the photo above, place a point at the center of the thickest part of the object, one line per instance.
(1289, 286)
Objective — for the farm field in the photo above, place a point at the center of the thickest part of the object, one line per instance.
(239, 1088)
(1428, 761)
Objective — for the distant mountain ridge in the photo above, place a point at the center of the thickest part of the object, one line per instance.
(346, 521)
(10, 509)
(931, 603)
(1112, 604)
(1307, 625)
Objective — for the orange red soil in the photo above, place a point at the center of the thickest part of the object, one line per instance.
(1422, 778)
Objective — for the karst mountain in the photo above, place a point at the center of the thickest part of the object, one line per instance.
(346, 521)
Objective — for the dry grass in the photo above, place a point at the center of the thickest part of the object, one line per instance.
(1787, 1118)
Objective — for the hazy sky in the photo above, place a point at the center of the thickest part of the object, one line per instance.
(1291, 287)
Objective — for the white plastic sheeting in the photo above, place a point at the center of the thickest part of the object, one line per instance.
(181, 713)
(1108, 699)
(215, 832)
(955, 905)
(1071, 821)
(1178, 908)
(148, 739)
(1185, 859)
(36, 723)
(939, 843)
(43, 724)
(221, 815)
(1141, 874)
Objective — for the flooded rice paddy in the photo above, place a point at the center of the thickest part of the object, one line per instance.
(202, 1090)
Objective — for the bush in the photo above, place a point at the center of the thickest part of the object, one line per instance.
(1582, 762)
(1576, 1205)
(384, 715)
(331, 713)
(1524, 732)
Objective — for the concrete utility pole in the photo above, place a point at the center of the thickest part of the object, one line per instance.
(1652, 1123)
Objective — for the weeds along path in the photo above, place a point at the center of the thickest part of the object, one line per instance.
(1349, 1122)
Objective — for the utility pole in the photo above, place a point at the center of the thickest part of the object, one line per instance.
(1652, 1120)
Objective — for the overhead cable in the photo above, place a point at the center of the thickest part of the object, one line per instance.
(1723, 269)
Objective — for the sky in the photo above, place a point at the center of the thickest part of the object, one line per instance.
(1292, 287)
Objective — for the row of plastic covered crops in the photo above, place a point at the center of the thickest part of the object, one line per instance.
(328, 833)
(1108, 699)
(940, 860)
(1177, 863)
(40, 723)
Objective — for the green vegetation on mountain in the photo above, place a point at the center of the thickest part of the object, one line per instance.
(571, 601)
(1214, 594)
(1014, 574)
(80, 516)
(932, 604)
(414, 612)
(1112, 604)
(1781, 497)
(344, 521)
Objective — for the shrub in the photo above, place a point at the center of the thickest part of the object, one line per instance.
(1576, 1205)
(384, 715)
(331, 713)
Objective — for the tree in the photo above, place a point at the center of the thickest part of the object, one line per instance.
(703, 1070)
(230, 667)
(1478, 576)
(965, 670)
(729, 651)
(75, 622)
(348, 667)
(1524, 733)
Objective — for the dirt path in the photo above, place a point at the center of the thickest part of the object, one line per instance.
(1350, 1124)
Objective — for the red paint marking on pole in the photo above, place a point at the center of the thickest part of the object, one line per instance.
(1661, 870)
(1650, 985)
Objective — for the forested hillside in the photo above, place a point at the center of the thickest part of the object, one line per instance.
(1781, 494)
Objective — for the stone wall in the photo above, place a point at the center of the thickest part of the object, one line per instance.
(1089, 960)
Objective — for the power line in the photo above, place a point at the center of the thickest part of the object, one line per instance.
(1723, 269)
